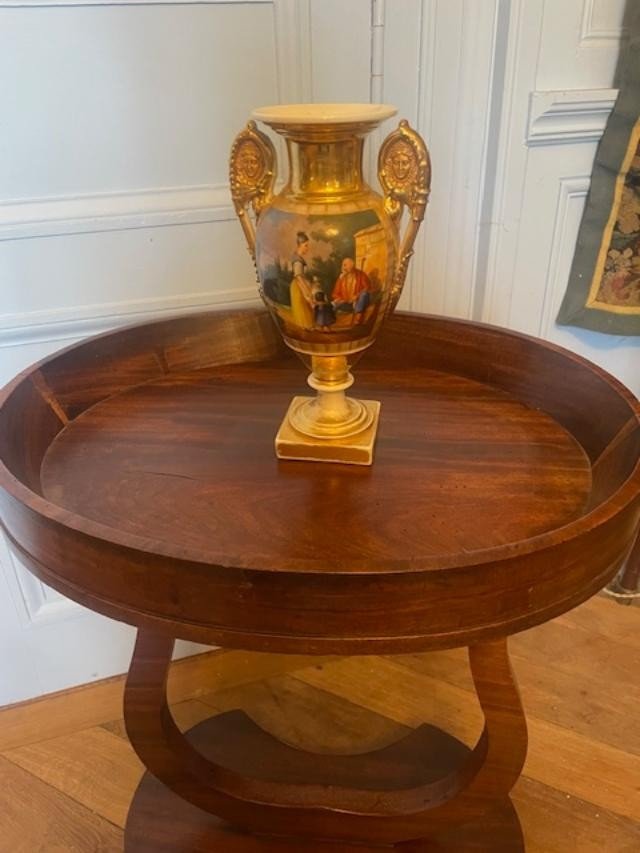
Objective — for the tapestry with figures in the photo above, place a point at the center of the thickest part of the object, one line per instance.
(604, 285)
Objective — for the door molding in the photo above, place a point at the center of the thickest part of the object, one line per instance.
(560, 116)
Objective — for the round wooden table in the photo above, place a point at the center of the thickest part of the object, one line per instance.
(138, 478)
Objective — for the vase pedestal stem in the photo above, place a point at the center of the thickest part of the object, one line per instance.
(329, 427)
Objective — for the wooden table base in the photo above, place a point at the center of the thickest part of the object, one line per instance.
(428, 785)
(162, 822)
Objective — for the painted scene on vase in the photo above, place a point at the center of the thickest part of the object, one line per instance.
(324, 277)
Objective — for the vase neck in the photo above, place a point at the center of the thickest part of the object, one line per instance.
(327, 167)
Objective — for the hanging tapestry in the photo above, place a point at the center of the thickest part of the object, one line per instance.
(604, 285)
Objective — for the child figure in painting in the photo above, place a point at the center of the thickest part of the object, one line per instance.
(302, 301)
(323, 312)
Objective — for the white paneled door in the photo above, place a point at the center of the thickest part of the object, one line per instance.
(114, 205)
(560, 62)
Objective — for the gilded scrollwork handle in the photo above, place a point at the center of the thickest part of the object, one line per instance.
(404, 169)
(252, 175)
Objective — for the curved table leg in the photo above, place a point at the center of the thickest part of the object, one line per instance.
(625, 587)
(415, 789)
(505, 722)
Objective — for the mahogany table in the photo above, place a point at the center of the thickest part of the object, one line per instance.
(138, 478)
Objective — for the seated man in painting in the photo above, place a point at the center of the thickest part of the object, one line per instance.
(352, 291)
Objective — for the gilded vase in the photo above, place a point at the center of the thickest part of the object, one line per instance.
(329, 253)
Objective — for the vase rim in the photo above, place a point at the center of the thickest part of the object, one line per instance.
(340, 113)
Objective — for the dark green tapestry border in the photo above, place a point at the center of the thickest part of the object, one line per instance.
(575, 310)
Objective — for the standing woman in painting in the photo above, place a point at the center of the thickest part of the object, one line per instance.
(301, 293)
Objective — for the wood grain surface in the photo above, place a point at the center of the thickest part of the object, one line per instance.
(37, 816)
(147, 489)
(188, 461)
(161, 821)
(590, 656)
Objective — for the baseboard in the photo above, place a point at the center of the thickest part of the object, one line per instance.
(100, 702)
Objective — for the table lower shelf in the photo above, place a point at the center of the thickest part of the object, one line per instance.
(162, 822)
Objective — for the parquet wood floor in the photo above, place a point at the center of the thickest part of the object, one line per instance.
(67, 772)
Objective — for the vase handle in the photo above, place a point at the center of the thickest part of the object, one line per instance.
(252, 175)
(404, 170)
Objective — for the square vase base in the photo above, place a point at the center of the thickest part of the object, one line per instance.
(352, 450)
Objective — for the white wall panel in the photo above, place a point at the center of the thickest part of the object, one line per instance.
(580, 42)
(456, 88)
(560, 70)
(114, 208)
(571, 196)
(18, 668)
(547, 177)
(602, 22)
(116, 97)
(124, 271)
(501, 228)
(84, 213)
(340, 50)
(403, 72)
(292, 20)
(37, 602)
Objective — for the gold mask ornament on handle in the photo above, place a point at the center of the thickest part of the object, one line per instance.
(330, 258)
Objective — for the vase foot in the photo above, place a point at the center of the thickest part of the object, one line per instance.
(353, 450)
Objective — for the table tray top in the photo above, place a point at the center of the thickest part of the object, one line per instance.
(146, 485)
